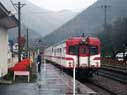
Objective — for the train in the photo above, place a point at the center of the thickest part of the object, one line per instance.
(83, 52)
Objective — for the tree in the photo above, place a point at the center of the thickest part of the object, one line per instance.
(22, 42)
(114, 40)
(119, 30)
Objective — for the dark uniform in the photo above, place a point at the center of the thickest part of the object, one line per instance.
(39, 62)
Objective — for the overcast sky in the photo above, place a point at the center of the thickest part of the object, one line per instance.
(58, 5)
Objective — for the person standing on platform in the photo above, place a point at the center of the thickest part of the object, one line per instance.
(39, 62)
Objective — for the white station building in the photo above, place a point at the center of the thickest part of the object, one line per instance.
(7, 21)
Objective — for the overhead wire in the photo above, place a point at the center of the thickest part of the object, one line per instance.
(22, 22)
(13, 5)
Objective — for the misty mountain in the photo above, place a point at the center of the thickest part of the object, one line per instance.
(89, 20)
(38, 19)
(13, 34)
(45, 22)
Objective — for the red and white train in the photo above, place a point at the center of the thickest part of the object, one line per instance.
(84, 52)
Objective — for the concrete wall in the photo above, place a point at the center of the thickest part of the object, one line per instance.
(3, 52)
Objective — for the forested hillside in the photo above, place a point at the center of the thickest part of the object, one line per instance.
(91, 22)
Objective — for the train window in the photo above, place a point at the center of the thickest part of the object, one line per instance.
(55, 52)
(60, 50)
(52, 49)
(93, 50)
(83, 50)
(64, 50)
(73, 50)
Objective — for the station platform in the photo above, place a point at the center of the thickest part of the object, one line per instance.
(52, 81)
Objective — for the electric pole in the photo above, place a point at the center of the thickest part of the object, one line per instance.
(105, 16)
(19, 6)
(27, 43)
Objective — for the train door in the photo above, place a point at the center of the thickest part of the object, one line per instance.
(83, 56)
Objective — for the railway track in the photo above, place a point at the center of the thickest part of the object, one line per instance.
(110, 85)
(96, 86)
(115, 67)
(104, 85)
(113, 79)
(92, 84)
(115, 73)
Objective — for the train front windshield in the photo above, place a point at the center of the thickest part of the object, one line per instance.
(93, 50)
(73, 50)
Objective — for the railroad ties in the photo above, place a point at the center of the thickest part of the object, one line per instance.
(115, 73)
(52, 81)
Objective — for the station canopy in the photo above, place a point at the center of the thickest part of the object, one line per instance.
(7, 20)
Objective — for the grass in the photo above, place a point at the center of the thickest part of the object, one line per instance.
(9, 76)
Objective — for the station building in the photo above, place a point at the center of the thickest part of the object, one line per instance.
(7, 21)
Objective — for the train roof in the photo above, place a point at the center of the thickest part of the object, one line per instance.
(87, 40)
(77, 40)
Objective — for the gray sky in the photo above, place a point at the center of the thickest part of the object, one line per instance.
(58, 5)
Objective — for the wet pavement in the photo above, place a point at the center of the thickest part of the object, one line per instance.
(51, 81)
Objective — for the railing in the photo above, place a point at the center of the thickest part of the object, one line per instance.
(114, 62)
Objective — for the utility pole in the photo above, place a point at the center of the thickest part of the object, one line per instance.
(19, 6)
(105, 16)
(105, 7)
(27, 43)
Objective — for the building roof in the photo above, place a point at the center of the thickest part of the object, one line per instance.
(3, 11)
(6, 20)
